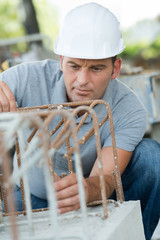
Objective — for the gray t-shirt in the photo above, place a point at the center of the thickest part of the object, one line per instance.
(40, 83)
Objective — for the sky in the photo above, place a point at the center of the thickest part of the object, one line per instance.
(128, 12)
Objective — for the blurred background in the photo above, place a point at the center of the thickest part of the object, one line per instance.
(39, 21)
(28, 29)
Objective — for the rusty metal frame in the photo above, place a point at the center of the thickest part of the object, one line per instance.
(46, 113)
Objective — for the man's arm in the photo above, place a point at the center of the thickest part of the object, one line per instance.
(108, 167)
(67, 188)
(7, 99)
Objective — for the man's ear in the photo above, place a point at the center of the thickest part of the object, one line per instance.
(116, 68)
(61, 63)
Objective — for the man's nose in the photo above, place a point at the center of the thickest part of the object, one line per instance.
(83, 77)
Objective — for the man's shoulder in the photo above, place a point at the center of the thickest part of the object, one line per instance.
(47, 70)
(48, 66)
(121, 93)
(124, 102)
(129, 116)
(118, 86)
(42, 65)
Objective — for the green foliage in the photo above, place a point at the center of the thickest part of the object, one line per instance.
(132, 50)
(138, 39)
(143, 50)
(156, 43)
(10, 25)
(47, 18)
(153, 51)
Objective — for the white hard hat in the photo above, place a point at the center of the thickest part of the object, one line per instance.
(90, 31)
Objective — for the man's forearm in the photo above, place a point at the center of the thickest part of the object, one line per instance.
(94, 189)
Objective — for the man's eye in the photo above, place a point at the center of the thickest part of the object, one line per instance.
(75, 67)
(96, 69)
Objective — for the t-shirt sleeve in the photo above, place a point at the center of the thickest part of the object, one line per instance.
(15, 78)
(130, 122)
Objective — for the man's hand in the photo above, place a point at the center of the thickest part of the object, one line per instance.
(7, 99)
(67, 193)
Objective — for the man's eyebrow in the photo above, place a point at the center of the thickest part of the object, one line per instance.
(98, 65)
(71, 62)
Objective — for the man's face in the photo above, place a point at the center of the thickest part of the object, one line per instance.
(87, 79)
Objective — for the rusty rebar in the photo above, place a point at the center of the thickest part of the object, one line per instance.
(21, 180)
(65, 133)
(99, 153)
(6, 174)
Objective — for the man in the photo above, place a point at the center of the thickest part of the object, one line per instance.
(88, 44)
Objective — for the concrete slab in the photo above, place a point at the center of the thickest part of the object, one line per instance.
(156, 234)
(124, 223)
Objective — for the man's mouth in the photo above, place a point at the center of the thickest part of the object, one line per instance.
(83, 92)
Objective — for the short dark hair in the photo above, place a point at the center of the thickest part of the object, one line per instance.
(114, 59)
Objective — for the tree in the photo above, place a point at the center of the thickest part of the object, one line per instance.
(22, 17)
(10, 24)
(30, 21)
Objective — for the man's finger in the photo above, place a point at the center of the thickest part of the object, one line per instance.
(4, 103)
(66, 182)
(69, 202)
(68, 209)
(67, 192)
(7, 98)
(56, 177)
